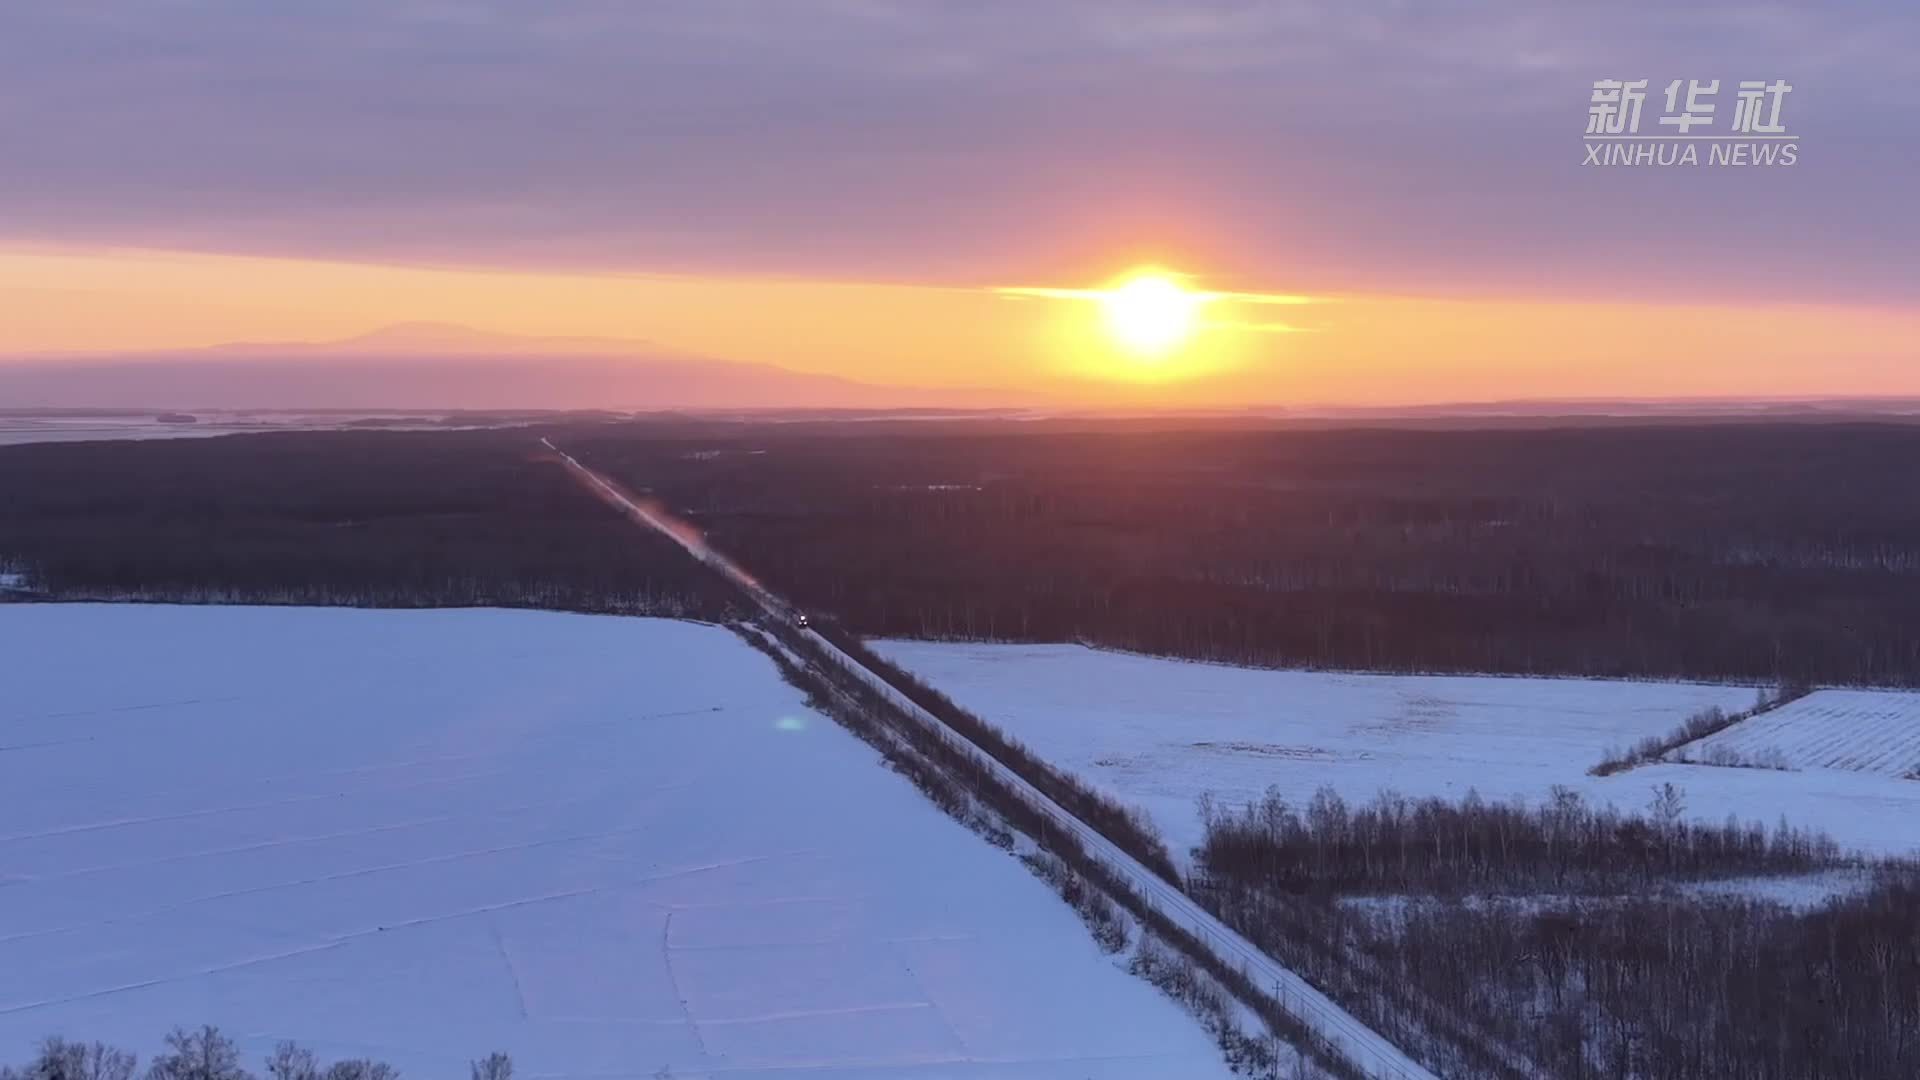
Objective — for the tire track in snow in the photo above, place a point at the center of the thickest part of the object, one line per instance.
(673, 983)
(387, 868)
(513, 972)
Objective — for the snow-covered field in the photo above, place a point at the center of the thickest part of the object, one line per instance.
(612, 847)
(1159, 733)
(75, 426)
(1857, 730)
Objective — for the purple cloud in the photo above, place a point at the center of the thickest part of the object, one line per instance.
(1318, 146)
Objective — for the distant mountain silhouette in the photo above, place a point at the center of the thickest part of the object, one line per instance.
(440, 366)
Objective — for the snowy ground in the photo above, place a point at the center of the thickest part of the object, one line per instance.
(1853, 730)
(611, 847)
(1158, 733)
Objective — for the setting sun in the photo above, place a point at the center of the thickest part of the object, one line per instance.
(1155, 326)
(1151, 315)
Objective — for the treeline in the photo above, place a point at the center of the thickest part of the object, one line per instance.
(1433, 846)
(385, 519)
(962, 784)
(1496, 941)
(1127, 827)
(1683, 989)
(1766, 551)
(205, 1054)
(1708, 721)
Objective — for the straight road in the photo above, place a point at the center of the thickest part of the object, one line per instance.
(1366, 1048)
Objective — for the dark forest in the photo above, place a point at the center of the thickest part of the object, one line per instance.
(1766, 552)
(373, 519)
(1763, 552)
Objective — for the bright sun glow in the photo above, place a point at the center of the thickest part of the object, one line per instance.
(1151, 326)
(1150, 315)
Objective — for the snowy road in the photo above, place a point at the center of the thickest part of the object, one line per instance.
(1365, 1047)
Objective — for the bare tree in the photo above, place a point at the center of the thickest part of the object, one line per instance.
(291, 1061)
(1562, 933)
(495, 1066)
(198, 1055)
(63, 1060)
(361, 1069)
(1666, 807)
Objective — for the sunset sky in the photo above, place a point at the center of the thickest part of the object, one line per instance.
(932, 194)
